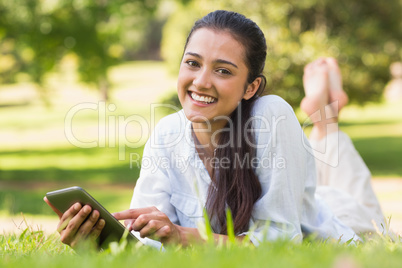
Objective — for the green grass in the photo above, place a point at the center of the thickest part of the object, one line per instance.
(382, 154)
(34, 249)
(376, 131)
(92, 165)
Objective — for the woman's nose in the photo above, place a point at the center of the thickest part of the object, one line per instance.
(202, 80)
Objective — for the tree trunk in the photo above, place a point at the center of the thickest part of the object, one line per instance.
(104, 89)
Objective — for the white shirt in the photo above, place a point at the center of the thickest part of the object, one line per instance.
(175, 180)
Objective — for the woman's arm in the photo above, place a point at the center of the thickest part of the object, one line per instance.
(154, 224)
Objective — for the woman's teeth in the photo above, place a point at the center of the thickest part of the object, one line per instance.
(202, 98)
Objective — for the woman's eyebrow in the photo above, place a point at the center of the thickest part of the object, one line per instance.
(226, 62)
(217, 61)
(194, 54)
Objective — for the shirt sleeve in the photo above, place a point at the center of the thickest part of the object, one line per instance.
(153, 186)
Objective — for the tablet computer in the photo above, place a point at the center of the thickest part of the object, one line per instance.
(113, 231)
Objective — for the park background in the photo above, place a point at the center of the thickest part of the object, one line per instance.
(122, 56)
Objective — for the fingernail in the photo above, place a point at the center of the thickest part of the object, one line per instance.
(87, 209)
(77, 206)
(93, 215)
(101, 223)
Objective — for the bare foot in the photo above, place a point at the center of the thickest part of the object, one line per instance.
(316, 104)
(336, 93)
(316, 87)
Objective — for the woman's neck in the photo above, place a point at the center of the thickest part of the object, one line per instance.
(207, 135)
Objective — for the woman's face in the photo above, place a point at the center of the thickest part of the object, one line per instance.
(213, 76)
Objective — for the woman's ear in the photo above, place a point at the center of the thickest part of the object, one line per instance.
(252, 88)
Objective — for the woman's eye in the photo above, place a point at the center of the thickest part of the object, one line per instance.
(192, 63)
(224, 71)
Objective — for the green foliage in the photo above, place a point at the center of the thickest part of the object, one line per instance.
(175, 33)
(230, 227)
(206, 230)
(173, 100)
(363, 35)
(35, 35)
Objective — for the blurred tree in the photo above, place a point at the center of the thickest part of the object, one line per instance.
(35, 35)
(364, 36)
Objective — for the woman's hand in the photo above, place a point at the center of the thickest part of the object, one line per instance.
(75, 226)
(154, 224)
(151, 223)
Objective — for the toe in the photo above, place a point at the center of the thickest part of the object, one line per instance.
(333, 64)
(308, 67)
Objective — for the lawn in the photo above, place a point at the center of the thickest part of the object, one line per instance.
(376, 131)
(33, 249)
(36, 156)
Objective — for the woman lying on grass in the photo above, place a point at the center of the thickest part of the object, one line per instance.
(231, 148)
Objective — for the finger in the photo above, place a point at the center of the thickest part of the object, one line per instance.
(58, 212)
(141, 222)
(68, 215)
(87, 226)
(96, 231)
(72, 211)
(129, 224)
(151, 228)
(163, 232)
(144, 219)
(133, 213)
(68, 234)
(87, 229)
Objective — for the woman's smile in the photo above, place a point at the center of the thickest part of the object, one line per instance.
(213, 76)
(201, 99)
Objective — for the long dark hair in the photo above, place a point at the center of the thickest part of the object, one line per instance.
(236, 185)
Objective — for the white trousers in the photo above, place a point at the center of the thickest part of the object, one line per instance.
(344, 182)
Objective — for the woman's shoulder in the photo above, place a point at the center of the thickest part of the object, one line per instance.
(170, 131)
(171, 124)
(271, 105)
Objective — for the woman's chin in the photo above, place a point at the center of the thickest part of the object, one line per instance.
(196, 117)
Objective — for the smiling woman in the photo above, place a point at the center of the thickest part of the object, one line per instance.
(213, 80)
(230, 149)
(210, 70)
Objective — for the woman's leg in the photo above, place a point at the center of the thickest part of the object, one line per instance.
(339, 166)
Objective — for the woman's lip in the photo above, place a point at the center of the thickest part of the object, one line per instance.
(198, 103)
(200, 94)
